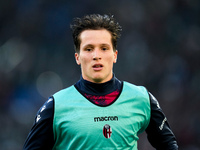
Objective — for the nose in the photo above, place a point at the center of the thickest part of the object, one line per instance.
(96, 54)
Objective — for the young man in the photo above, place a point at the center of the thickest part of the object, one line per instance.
(99, 111)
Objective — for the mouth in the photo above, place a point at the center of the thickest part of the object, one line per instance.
(97, 67)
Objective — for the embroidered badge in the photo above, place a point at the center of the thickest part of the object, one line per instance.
(107, 131)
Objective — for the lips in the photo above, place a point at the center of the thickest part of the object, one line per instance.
(97, 67)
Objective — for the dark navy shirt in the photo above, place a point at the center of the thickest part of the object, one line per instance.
(158, 131)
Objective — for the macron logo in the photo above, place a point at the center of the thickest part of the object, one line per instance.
(109, 118)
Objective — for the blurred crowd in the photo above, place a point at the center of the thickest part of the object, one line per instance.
(159, 49)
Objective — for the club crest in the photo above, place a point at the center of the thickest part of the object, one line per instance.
(107, 131)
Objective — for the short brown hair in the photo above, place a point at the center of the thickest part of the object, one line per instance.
(95, 22)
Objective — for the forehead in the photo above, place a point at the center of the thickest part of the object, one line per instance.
(101, 36)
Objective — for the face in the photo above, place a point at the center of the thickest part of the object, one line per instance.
(96, 55)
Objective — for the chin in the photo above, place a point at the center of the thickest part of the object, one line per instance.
(98, 80)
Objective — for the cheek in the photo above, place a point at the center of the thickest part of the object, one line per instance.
(84, 62)
(110, 62)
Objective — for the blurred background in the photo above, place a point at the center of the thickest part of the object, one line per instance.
(159, 48)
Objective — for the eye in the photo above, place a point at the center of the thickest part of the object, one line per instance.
(88, 49)
(104, 48)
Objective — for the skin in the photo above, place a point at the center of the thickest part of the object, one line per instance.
(96, 55)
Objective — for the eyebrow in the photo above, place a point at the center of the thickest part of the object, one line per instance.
(92, 45)
(105, 45)
(88, 45)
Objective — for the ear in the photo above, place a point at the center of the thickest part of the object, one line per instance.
(77, 58)
(115, 56)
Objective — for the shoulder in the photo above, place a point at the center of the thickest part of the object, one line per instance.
(46, 111)
(41, 134)
(135, 89)
(138, 94)
(65, 91)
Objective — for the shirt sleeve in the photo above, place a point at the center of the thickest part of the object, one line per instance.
(41, 134)
(158, 131)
